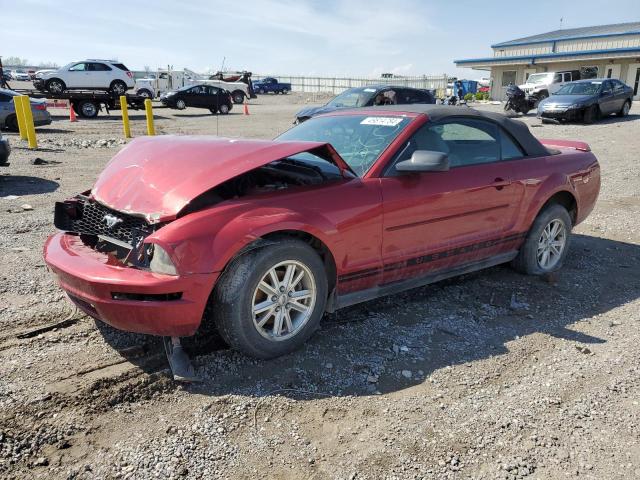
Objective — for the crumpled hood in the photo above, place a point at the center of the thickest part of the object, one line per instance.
(156, 177)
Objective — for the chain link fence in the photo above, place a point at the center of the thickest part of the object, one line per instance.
(336, 85)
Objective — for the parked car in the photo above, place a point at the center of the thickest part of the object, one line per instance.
(6, 73)
(369, 96)
(108, 75)
(20, 75)
(215, 99)
(262, 237)
(271, 85)
(587, 100)
(8, 117)
(5, 150)
(544, 84)
(32, 74)
(153, 86)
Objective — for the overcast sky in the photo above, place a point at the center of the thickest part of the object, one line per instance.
(311, 37)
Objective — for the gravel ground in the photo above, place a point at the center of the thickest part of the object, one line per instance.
(490, 375)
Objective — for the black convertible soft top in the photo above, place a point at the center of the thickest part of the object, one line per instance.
(436, 113)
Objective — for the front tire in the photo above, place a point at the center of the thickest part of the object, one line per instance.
(590, 115)
(270, 300)
(238, 97)
(55, 85)
(223, 109)
(180, 104)
(547, 242)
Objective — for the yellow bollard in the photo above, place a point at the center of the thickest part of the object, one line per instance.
(125, 117)
(22, 125)
(28, 117)
(149, 111)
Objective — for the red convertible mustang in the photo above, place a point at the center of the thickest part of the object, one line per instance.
(262, 237)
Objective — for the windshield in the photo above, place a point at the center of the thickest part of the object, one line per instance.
(359, 139)
(538, 78)
(354, 97)
(582, 88)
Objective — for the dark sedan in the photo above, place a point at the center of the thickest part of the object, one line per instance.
(217, 100)
(587, 100)
(371, 96)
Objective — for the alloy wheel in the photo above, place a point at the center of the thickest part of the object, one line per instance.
(551, 244)
(283, 300)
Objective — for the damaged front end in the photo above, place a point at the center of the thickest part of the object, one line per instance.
(119, 235)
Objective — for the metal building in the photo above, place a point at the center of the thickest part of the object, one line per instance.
(604, 51)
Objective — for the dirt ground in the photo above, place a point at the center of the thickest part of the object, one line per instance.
(490, 375)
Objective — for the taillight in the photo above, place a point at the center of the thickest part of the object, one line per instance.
(129, 74)
(40, 106)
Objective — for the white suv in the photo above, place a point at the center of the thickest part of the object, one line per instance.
(108, 75)
(544, 84)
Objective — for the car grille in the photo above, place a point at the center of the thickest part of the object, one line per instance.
(84, 216)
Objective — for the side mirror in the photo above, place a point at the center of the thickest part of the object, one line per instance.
(425, 161)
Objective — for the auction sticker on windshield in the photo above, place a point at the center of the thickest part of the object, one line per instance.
(382, 121)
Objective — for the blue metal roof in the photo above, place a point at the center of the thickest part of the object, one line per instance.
(615, 29)
(532, 58)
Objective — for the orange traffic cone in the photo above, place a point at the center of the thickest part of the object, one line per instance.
(72, 114)
(246, 106)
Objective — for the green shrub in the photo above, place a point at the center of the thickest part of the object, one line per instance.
(468, 96)
(481, 96)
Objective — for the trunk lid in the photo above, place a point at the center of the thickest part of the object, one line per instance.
(573, 144)
(156, 177)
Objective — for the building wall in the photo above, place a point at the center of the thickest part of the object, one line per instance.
(627, 65)
(562, 46)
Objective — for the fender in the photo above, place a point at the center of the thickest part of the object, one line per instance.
(555, 183)
(215, 238)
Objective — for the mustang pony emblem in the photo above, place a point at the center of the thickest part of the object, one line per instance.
(111, 220)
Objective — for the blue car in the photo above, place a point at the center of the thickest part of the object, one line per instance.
(370, 96)
(587, 100)
(8, 117)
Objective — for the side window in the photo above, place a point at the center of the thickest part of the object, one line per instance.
(78, 67)
(99, 67)
(606, 88)
(557, 78)
(618, 87)
(567, 77)
(510, 150)
(465, 141)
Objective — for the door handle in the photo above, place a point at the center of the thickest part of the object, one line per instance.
(500, 183)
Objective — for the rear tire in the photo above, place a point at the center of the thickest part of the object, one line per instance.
(238, 97)
(223, 109)
(181, 104)
(237, 296)
(118, 87)
(145, 93)
(624, 111)
(530, 259)
(87, 109)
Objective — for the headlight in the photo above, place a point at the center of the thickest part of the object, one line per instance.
(161, 262)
